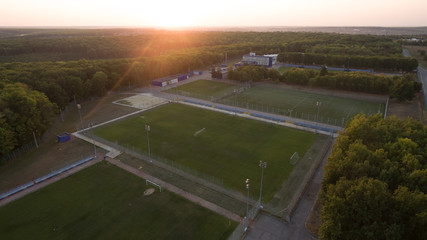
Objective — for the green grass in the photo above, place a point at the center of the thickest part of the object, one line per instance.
(282, 100)
(105, 202)
(229, 148)
(284, 69)
(203, 89)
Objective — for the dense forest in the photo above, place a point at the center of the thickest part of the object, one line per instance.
(375, 181)
(154, 43)
(58, 66)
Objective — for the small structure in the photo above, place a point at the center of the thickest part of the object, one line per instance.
(169, 80)
(253, 59)
(63, 137)
(197, 72)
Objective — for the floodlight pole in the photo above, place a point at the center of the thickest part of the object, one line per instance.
(318, 107)
(93, 139)
(81, 121)
(262, 165)
(147, 129)
(35, 140)
(247, 206)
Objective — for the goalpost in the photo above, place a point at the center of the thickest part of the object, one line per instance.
(155, 184)
(294, 158)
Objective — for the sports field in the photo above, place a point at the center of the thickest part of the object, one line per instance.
(333, 110)
(203, 89)
(105, 202)
(216, 144)
(304, 105)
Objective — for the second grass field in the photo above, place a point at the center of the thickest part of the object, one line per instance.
(106, 202)
(220, 145)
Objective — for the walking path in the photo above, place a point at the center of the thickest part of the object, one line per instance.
(178, 191)
(49, 181)
(271, 228)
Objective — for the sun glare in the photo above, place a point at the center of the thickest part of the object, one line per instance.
(175, 14)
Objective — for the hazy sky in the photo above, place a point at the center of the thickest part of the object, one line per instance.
(172, 13)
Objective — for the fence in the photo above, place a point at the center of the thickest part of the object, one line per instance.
(44, 178)
(264, 116)
(313, 117)
(239, 231)
(31, 145)
(179, 169)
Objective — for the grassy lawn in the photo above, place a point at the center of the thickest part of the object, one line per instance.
(303, 104)
(203, 89)
(52, 155)
(284, 69)
(229, 147)
(105, 202)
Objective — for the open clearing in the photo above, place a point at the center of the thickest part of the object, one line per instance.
(105, 202)
(229, 148)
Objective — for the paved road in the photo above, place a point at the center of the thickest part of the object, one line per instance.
(422, 77)
(267, 227)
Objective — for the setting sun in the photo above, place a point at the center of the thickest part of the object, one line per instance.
(175, 14)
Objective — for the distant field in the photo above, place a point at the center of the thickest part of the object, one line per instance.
(220, 145)
(303, 104)
(333, 110)
(105, 202)
(203, 89)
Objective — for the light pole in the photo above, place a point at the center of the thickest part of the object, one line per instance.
(247, 206)
(93, 138)
(147, 129)
(318, 104)
(262, 165)
(81, 122)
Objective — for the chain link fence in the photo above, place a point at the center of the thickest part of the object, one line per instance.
(31, 145)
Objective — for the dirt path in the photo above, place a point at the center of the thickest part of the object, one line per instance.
(178, 191)
(49, 181)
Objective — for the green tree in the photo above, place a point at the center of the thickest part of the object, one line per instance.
(97, 84)
(404, 89)
(323, 71)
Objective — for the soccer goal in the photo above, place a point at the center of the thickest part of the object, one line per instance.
(155, 184)
(294, 159)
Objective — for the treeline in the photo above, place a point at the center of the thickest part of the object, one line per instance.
(53, 85)
(23, 112)
(396, 63)
(402, 88)
(155, 43)
(375, 181)
(63, 81)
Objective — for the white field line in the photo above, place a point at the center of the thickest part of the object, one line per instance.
(285, 124)
(112, 152)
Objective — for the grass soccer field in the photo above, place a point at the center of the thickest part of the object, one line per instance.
(216, 144)
(303, 105)
(203, 89)
(106, 202)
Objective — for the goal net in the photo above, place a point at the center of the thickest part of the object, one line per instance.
(294, 159)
